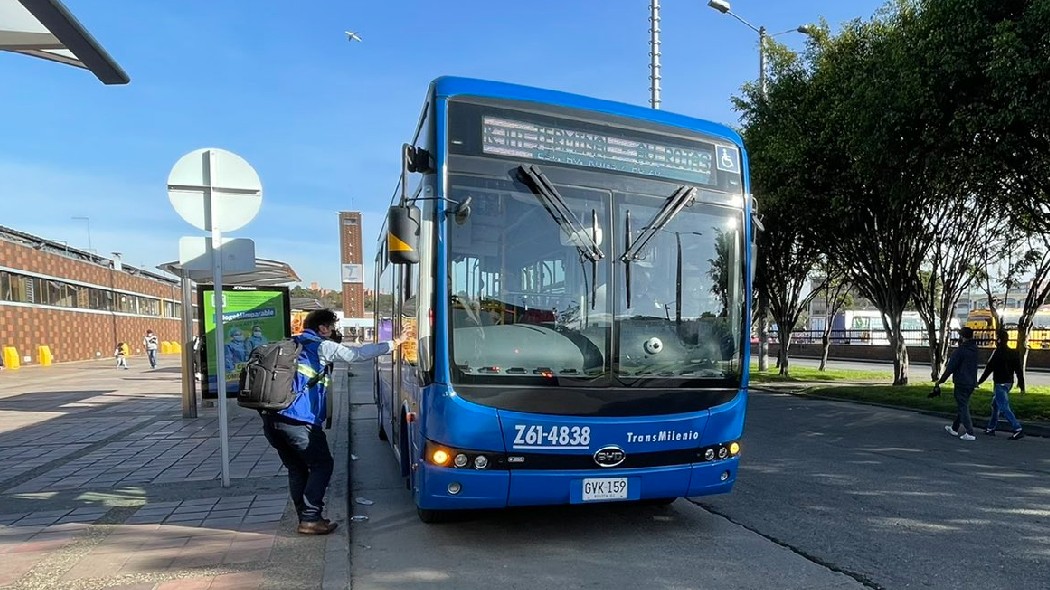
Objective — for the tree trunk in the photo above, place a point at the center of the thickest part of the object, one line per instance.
(900, 363)
(763, 331)
(900, 351)
(782, 357)
(825, 341)
(934, 344)
(1022, 347)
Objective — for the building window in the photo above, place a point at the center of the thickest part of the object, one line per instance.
(20, 288)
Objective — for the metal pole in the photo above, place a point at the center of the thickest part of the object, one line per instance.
(189, 390)
(220, 369)
(761, 325)
(654, 54)
(762, 62)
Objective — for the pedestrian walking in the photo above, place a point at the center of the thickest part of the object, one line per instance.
(121, 353)
(297, 432)
(962, 368)
(152, 344)
(1004, 363)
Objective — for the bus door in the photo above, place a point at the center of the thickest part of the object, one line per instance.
(405, 381)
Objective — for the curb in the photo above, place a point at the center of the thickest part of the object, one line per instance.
(1037, 429)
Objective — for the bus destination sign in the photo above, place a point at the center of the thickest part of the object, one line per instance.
(519, 139)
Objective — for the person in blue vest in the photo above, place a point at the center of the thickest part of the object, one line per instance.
(297, 432)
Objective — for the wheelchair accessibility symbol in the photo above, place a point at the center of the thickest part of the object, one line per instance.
(727, 160)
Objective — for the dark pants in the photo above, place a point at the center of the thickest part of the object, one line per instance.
(962, 403)
(304, 451)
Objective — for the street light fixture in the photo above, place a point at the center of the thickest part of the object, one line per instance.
(88, 221)
(725, 8)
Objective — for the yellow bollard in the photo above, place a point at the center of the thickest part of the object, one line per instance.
(165, 347)
(176, 348)
(11, 358)
(43, 355)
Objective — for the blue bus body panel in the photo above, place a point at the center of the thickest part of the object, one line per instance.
(726, 422)
(500, 489)
(452, 421)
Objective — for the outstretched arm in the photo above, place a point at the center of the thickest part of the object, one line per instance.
(350, 354)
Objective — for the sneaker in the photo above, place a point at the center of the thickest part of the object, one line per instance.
(967, 437)
(989, 432)
(949, 430)
(316, 527)
(1017, 435)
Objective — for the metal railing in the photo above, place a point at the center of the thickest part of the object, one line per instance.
(1038, 339)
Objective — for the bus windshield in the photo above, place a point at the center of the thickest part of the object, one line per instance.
(541, 294)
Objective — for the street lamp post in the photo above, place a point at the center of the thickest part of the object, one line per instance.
(724, 7)
(88, 221)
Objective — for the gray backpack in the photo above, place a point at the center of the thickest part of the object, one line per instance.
(271, 379)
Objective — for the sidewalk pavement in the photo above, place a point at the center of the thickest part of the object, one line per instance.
(103, 484)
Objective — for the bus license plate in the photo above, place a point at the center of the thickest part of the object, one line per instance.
(609, 488)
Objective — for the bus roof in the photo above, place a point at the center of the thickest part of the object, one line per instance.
(451, 86)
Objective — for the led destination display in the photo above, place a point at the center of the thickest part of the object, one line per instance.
(520, 139)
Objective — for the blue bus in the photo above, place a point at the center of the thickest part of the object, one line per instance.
(577, 273)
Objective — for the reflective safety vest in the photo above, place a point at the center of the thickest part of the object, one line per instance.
(310, 404)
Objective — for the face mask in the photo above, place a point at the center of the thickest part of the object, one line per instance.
(238, 338)
(257, 334)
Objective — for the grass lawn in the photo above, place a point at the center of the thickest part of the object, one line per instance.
(801, 374)
(874, 386)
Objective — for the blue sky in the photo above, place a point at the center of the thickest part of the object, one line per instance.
(320, 119)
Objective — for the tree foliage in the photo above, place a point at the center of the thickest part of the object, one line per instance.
(903, 147)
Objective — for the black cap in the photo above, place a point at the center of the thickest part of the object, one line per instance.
(966, 332)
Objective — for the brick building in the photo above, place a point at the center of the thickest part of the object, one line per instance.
(78, 303)
(352, 259)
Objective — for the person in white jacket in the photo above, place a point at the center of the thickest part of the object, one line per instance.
(152, 344)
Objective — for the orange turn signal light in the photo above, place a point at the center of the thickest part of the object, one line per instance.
(440, 457)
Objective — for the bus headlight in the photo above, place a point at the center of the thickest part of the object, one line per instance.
(442, 456)
(720, 451)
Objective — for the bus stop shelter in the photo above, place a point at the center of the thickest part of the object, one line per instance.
(46, 29)
(267, 273)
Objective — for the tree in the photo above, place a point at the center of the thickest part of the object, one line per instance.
(957, 222)
(872, 177)
(776, 126)
(992, 74)
(836, 297)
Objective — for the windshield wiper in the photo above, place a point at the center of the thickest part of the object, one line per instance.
(543, 188)
(681, 198)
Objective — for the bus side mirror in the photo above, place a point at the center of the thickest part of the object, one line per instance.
(402, 234)
(462, 211)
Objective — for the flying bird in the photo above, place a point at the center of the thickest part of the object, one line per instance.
(352, 36)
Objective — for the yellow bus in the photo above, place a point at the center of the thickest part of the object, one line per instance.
(984, 324)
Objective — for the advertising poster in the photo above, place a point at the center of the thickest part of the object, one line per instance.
(252, 316)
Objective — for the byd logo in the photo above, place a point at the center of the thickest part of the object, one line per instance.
(610, 456)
